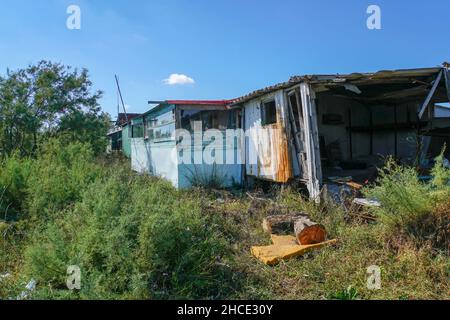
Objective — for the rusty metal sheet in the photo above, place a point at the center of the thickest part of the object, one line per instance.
(268, 145)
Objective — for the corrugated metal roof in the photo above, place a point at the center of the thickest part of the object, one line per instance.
(359, 78)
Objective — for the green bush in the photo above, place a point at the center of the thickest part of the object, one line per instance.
(14, 173)
(410, 207)
(133, 236)
(58, 177)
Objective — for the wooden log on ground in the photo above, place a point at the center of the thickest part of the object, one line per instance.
(281, 224)
(308, 231)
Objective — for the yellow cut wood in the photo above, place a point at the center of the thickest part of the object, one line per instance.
(284, 247)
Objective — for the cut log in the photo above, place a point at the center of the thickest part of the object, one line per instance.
(309, 232)
(281, 224)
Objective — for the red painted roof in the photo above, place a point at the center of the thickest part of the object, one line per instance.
(199, 102)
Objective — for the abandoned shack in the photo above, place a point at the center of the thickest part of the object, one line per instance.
(155, 148)
(311, 128)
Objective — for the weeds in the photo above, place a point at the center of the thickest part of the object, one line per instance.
(413, 210)
(136, 237)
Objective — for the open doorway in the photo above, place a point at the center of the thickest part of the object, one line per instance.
(363, 123)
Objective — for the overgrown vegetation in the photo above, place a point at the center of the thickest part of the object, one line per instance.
(63, 203)
(136, 237)
(412, 210)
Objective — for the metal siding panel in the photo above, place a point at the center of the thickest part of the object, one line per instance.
(139, 156)
(267, 150)
(163, 160)
(311, 141)
(126, 141)
(231, 174)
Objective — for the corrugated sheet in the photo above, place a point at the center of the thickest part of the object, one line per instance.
(267, 151)
(407, 74)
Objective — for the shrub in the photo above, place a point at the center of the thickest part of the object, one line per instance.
(58, 177)
(411, 208)
(14, 173)
(133, 236)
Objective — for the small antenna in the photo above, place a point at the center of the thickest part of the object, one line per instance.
(121, 98)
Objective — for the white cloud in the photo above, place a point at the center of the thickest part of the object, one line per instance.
(176, 78)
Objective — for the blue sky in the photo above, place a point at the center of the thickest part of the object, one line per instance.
(228, 47)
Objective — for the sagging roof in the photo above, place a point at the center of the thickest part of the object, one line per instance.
(418, 81)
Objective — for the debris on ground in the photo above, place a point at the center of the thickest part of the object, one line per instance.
(309, 235)
(284, 247)
(4, 276)
(29, 288)
(337, 193)
(366, 202)
(306, 230)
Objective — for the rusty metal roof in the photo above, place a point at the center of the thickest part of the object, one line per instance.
(406, 75)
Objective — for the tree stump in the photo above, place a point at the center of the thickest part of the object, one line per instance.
(308, 231)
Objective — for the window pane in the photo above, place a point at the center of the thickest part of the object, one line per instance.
(160, 120)
(269, 113)
(212, 119)
(138, 131)
(162, 133)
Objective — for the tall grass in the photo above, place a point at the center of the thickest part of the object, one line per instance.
(132, 236)
(136, 237)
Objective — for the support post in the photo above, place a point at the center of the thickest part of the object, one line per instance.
(430, 95)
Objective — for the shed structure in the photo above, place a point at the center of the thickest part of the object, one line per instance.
(157, 145)
(312, 128)
(317, 127)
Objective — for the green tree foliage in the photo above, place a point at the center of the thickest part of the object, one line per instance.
(49, 99)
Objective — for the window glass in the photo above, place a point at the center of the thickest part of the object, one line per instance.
(161, 128)
(162, 133)
(268, 112)
(211, 119)
(137, 130)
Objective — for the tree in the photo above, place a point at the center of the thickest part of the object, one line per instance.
(49, 99)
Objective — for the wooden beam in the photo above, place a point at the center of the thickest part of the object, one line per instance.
(350, 141)
(430, 95)
(447, 82)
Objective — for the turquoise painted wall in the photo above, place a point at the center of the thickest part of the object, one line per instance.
(162, 158)
(126, 141)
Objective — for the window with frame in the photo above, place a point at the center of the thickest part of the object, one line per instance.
(137, 129)
(161, 128)
(268, 112)
(210, 119)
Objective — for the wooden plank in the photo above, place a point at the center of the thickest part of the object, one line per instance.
(447, 82)
(430, 95)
